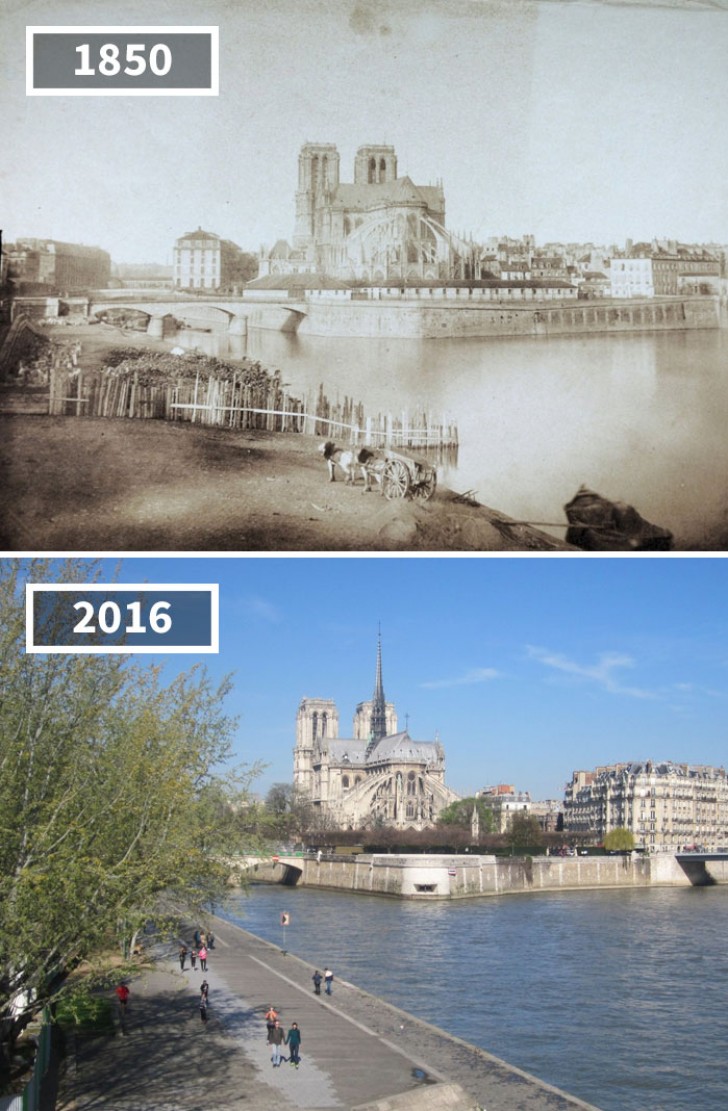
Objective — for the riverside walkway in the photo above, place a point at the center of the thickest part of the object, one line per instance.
(358, 1053)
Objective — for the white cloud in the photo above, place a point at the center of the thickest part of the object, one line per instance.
(602, 673)
(261, 607)
(476, 675)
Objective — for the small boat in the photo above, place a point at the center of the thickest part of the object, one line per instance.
(597, 524)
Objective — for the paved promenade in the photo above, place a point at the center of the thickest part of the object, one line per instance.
(357, 1051)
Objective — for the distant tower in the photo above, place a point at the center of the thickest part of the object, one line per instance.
(375, 164)
(318, 175)
(379, 703)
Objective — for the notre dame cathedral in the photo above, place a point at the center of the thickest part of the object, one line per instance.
(379, 228)
(379, 776)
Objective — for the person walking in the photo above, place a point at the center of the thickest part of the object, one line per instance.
(270, 1020)
(293, 1041)
(317, 978)
(203, 1008)
(122, 993)
(277, 1037)
(203, 958)
(182, 956)
(193, 959)
(328, 979)
(204, 990)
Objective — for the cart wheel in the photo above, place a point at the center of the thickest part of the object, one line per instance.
(426, 488)
(395, 480)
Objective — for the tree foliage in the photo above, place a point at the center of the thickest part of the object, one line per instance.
(619, 840)
(524, 834)
(108, 798)
(460, 813)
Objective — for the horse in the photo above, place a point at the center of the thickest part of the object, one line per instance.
(348, 460)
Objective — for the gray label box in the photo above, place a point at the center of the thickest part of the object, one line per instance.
(173, 61)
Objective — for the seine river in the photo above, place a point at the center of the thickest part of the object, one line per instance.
(638, 417)
(617, 997)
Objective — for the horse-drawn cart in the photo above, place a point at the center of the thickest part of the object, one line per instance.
(401, 476)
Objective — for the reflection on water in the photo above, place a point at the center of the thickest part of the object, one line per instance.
(618, 997)
(638, 417)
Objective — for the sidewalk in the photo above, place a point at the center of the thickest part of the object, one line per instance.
(356, 1050)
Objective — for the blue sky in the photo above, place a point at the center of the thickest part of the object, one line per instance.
(528, 668)
(584, 120)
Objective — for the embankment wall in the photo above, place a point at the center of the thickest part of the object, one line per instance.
(458, 877)
(406, 319)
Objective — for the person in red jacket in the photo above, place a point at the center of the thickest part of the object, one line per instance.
(122, 992)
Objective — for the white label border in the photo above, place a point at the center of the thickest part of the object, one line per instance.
(213, 32)
(213, 648)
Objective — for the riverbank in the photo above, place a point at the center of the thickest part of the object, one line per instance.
(121, 485)
(92, 484)
(358, 1052)
(438, 876)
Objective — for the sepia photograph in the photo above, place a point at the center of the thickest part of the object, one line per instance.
(364, 276)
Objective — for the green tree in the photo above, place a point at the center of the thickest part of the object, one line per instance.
(108, 791)
(290, 813)
(619, 840)
(524, 834)
(460, 814)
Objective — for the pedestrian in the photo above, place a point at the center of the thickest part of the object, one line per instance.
(193, 959)
(203, 940)
(204, 990)
(182, 956)
(196, 937)
(203, 958)
(293, 1041)
(277, 1037)
(203, 1008)
(211, 940)
(317, 978)
(329, 979)
(270, 1020)
(122, 992)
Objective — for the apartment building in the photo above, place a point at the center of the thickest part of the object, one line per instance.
(666, 806)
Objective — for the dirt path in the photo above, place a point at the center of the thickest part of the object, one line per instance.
(121, 485)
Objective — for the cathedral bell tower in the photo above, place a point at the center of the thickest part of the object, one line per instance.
(318, 175)
(374, 165)
(317, 722)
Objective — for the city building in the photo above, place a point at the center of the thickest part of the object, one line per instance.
(664, 268)
(504, 801)
(379, 776)
(378, 227)
(202, 260)
(48, 266)
(141, 275)
(666, 806)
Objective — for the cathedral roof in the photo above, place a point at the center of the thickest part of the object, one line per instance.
(281, 249)
(362, 197)
(399, 747)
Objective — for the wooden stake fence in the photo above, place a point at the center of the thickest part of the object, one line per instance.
(231, 403)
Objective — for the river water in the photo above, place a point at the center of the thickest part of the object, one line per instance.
(639, 417)
(618, 997)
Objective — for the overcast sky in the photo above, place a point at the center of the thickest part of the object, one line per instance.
(575, 120)
(528, 668)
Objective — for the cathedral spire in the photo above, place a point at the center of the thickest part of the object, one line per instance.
(379, 705)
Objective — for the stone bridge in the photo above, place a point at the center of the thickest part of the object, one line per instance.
(233, 314)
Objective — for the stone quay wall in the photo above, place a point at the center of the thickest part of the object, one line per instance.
(469, 876)
(411, 320)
